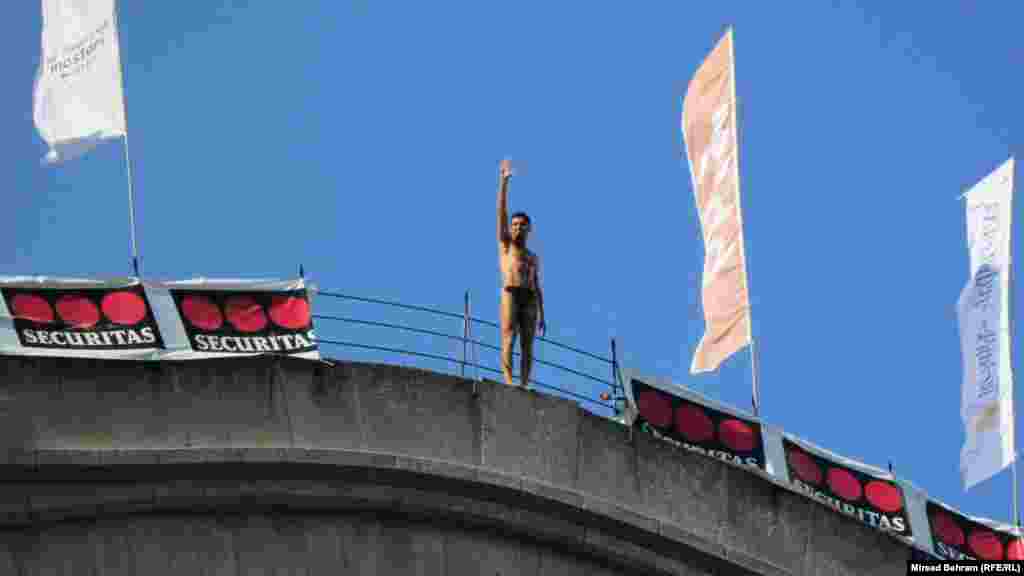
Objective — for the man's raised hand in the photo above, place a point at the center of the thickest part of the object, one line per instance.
(506, 169)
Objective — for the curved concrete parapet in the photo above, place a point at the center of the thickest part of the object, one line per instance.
(229, 464)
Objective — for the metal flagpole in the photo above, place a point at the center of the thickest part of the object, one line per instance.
(127, 158)
(1013, 467)
(131, 206)
(1013, 389)
(755, 399)
(755, 392)
(1013, 400)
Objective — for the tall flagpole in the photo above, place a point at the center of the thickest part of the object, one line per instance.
(755, 392)
(131, 205)
(1013, 468)
(1013, 390)
(127, 158)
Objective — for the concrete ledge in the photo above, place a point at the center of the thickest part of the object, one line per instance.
(358, 436)
(77, 485)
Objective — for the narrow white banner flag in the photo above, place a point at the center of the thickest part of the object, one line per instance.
(709, 130)
(78, 93)
(984, 314)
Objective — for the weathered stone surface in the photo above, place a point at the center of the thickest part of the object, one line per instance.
(526, 433)
(295, 467)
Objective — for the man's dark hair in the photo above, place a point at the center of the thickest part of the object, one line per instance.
(522, 215)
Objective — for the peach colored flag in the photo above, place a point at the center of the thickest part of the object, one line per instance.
(709, 130)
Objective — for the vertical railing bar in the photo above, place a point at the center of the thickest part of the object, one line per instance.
(465, 333)
(615, 379)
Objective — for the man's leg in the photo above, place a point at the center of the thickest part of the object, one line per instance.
(508, 334)
(528, 328)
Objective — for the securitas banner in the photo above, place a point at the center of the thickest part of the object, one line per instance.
(851, 488)
(694, 425)
(129, 319)
(76, 317)
(236, 317)
(959, 537)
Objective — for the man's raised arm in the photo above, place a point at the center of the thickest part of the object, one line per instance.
(506, 174)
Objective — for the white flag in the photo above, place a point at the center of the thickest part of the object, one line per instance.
(984, 314)
(78, 95)
(709, 130)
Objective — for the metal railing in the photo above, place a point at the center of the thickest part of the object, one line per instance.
(597, 394)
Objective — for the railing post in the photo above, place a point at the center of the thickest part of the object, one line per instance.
(615, 381)
(465, 332)
(468, 333)
(619, 402)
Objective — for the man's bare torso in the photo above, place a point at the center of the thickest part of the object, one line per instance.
(518, 266)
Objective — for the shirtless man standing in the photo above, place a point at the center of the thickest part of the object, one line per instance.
(522, 301)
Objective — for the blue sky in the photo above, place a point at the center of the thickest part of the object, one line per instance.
(360, 138)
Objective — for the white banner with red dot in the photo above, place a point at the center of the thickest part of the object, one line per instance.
(696, 423)
(956, 536)
(44, 316)
(215, 318)
(868, 494)
(130, 319)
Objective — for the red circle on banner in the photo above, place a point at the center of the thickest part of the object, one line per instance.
(290, 312)
(32, 307)
(78, 311)
(737, 435)
(655, 407)
(245, 314)
(1015, 550)
(947, 530)
(986, 545)
(843, 483)
(884, 496)
(694, 424)
(201, 312)
(124, 308)
(804, 467)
